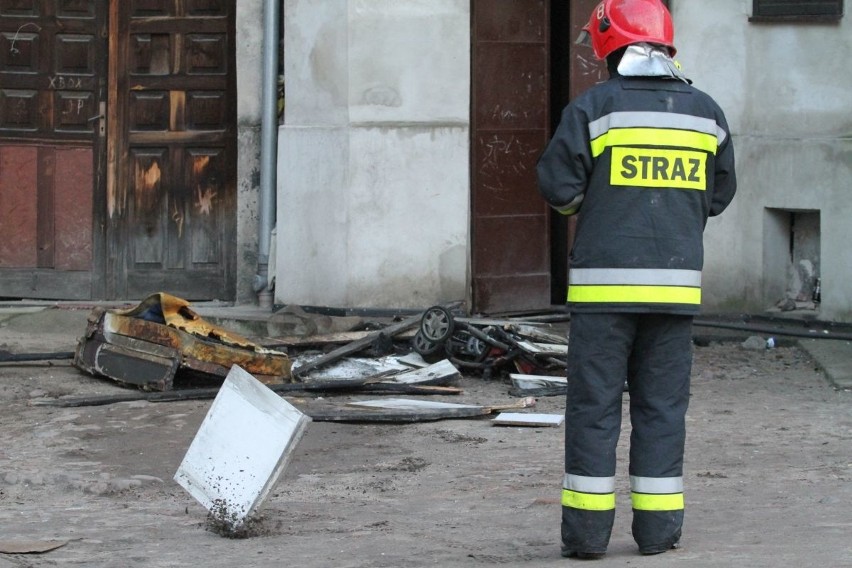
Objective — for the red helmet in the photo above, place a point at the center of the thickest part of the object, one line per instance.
(619, 23)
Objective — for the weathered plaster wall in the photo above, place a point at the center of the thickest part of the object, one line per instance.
(249, 18)
(373, 156)
(787, 92)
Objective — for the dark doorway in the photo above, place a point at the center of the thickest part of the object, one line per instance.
(573, 69)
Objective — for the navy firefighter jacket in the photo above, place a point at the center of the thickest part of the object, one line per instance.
(644, 162)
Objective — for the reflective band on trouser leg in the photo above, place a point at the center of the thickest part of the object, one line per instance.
(588, 493)
(648, 502)
(656, 493)
(588, 501)
(588, 513)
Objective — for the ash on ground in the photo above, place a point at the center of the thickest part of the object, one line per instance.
(224, 521)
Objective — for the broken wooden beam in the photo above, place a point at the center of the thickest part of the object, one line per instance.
(355, 346)
(348, 386)
(537, 385)
(402, 410)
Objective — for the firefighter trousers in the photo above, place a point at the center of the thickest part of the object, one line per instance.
(653, 353)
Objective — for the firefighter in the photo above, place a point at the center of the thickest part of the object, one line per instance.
(643, 159)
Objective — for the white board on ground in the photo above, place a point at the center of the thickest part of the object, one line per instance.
(536, 381)
(527, 419)
(241, 448)
(410, 404)
(439, 372)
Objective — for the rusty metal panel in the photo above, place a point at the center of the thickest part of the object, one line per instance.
(18, 206)
(512, 245)
(506, 183)
(521, 292)
(511, 20)
(196, 352)
(515, 100)
(131, 366)
(510, 127)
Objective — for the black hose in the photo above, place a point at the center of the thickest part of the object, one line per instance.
(775, 330)
(6, 357)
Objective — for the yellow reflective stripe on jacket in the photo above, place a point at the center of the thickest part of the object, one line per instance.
(588, 501)
(652, 502)
(654, 137)
(634, 294)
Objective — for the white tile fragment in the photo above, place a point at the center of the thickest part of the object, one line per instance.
(241, 448)
(527, 419)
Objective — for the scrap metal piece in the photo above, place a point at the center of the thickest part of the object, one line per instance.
(146, 346)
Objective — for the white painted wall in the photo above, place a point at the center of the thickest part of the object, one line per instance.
(373, 200)
(249, 31)
(373, 159)
(787, 92)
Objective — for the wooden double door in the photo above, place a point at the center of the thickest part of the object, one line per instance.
(117, 149)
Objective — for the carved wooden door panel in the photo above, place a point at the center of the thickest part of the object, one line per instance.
(171, 183)
(52, 90)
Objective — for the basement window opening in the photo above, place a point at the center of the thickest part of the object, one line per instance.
(781, 11)
(792, 260)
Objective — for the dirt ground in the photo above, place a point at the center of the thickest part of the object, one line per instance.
(768, 478)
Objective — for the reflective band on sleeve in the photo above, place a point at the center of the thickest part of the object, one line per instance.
(721, 135)
(650, 502)
(587, 484)
(634, 294)
(654, 137)
(588, 501)
(572, 206)
(635, 276)
(658, 485)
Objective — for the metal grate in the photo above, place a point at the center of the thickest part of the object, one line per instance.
(797, 10)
